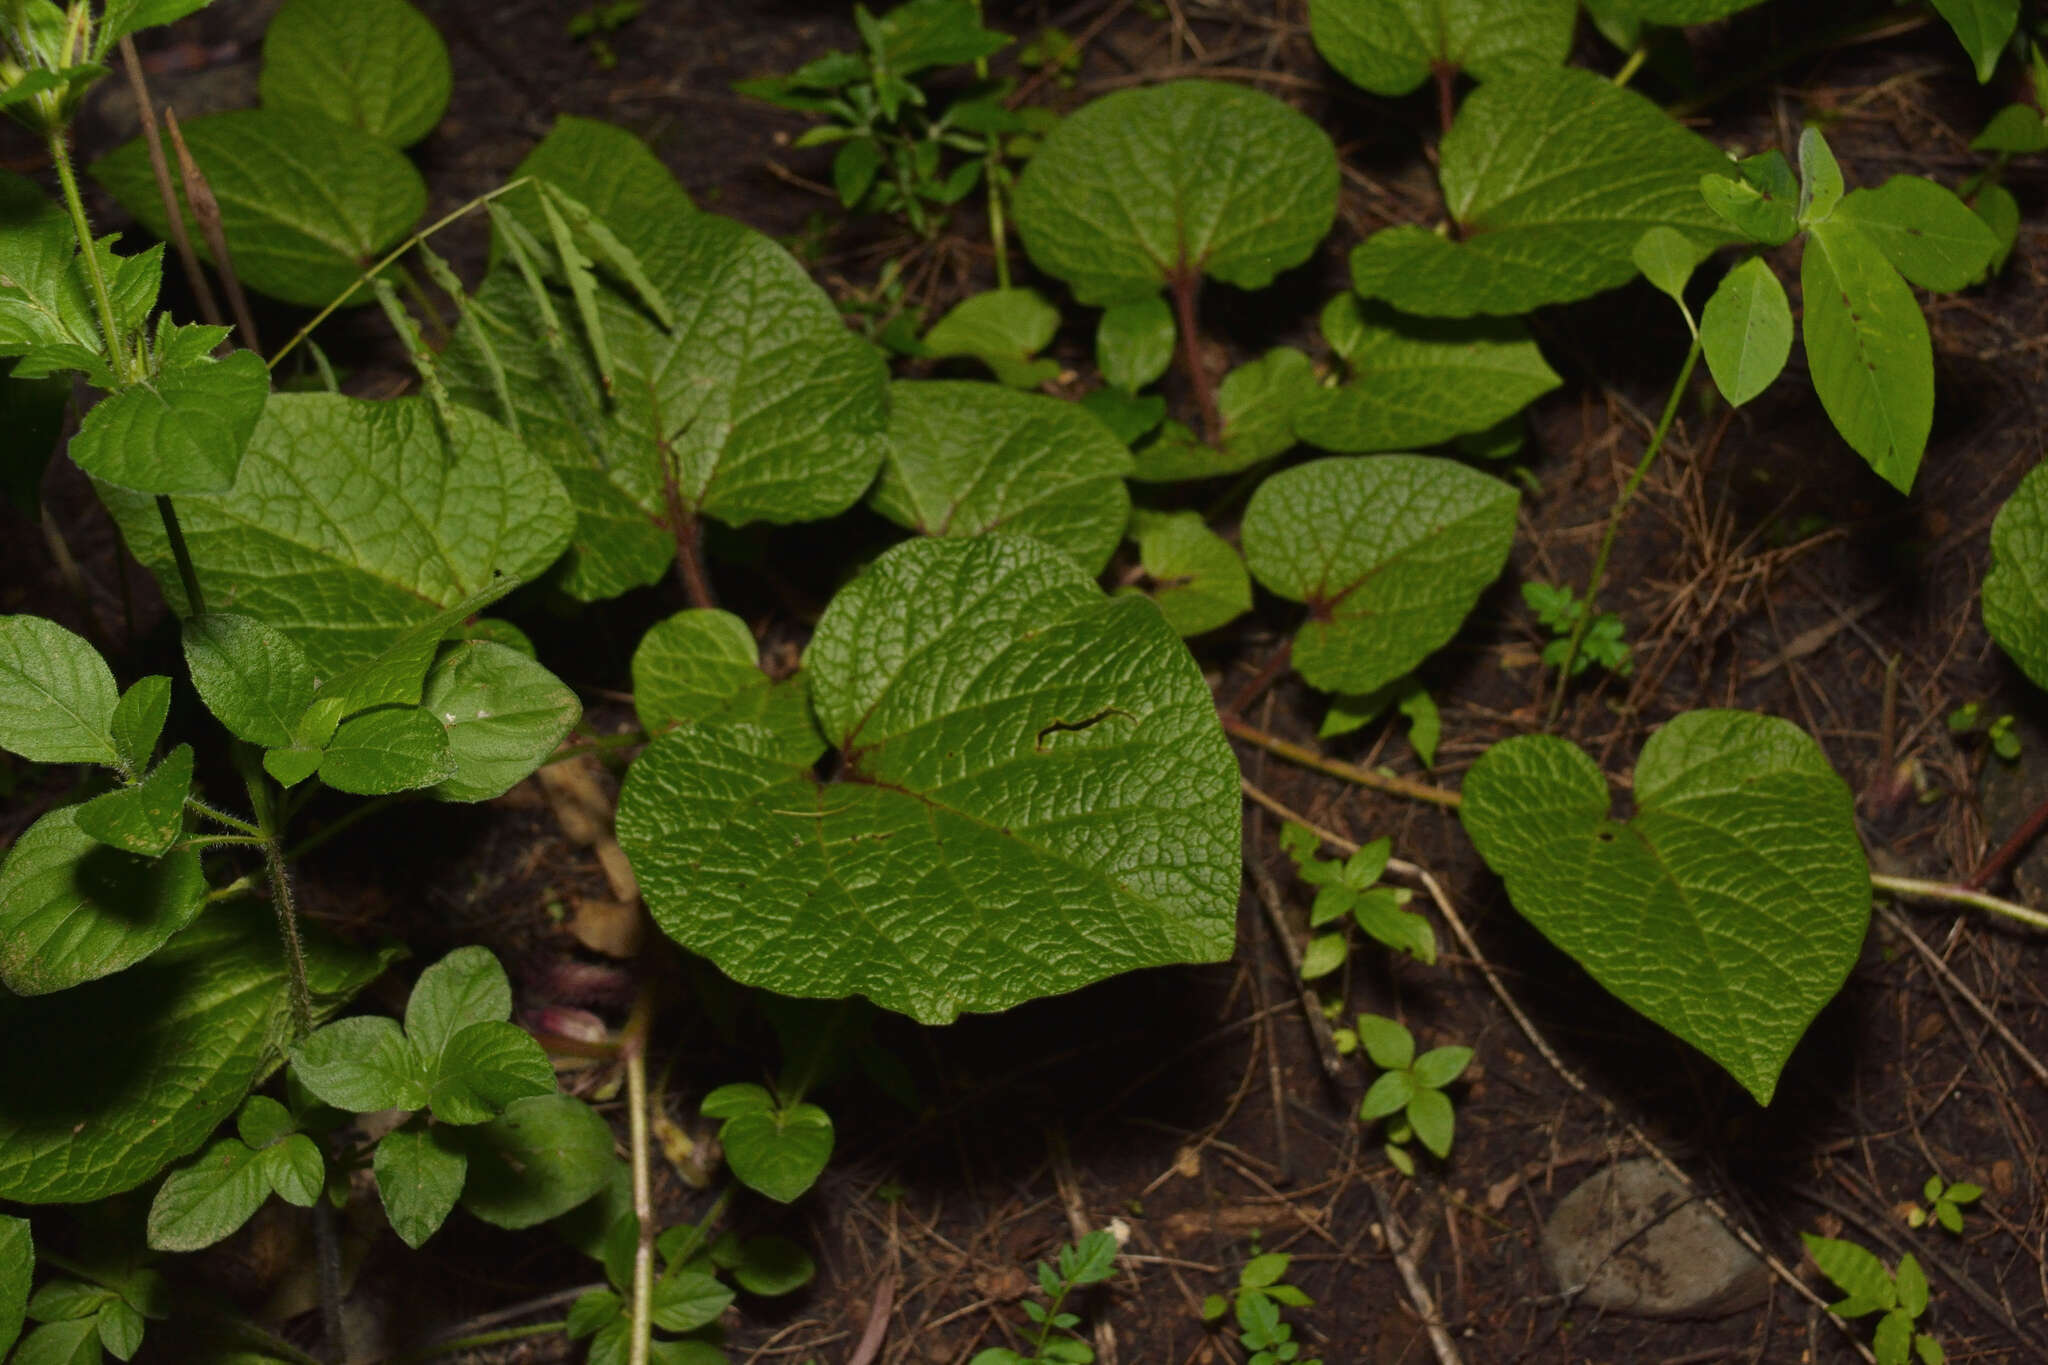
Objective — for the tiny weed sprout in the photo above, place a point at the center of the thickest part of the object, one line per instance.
(1257, 1304)
(1410, 1089)
(1600, 643)
(1969, 720)
(1351, 889)
(1053, 1332)
(1899, 1296)
(1945, 1203)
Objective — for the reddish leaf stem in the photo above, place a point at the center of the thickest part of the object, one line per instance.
(1187, 287)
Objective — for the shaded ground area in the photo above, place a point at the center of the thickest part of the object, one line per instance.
(1763, 566)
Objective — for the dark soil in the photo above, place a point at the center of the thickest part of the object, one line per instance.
(1762, 566)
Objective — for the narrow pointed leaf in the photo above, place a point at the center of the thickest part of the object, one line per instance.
(1820, 178)
(1728, 910)
(138, 720)
(1983, 27)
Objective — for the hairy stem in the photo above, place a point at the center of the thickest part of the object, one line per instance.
(1187, 287)
(262, 799)
(118, 358)
(1628, 492)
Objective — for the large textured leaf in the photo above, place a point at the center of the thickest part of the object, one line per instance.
(1418, 381)
(1551, 177)
(182, 432)
(504, 715)
(1191, 178)
(1729, 909)
(1391, 46)
(57, 695)
(375, 64)
(1389, 552)
(73, 909)
(2015, 594)
(967, 458)
(1868, 350)
(759, 405)
(1035, 795)
(352, 520)
(305, 202)
(199, 1023)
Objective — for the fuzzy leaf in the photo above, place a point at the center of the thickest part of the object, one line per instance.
(466, 987)
(253, 678)
(759, 405)
(377, 65)
(504, 714)
(484, 1068)
(1391, 46)
(73, 909)
(1930, 236)
(274, 172)
(352, 521)
(361, 1065)
(1194, 575)
(542, 1157)
(392, 749)
(182, 432)
(1728, 910)
(1389, 552)
(1551, 176)
(1868, 350)
(147, 818)
(965, 459)
(1036, 795)
(1141, 187)
(57, 696)
(420, 1174)
(200, 1022)
(1418, 381)
(138, 720)
(208, 1200)
(1746, 331)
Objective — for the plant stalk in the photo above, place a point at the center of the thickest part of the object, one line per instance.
(1914, 888)
(1628, 492)
(998, 231)
(261, 800)
(1187, 287)
(1349, 772)
(110, 328)
(188, 576)
(633, 1047)
(1632, 65)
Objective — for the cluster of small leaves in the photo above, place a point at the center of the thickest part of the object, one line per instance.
(688, 1297)
(1257, 1302)
(1559, 610)
(1900, 1296)
(893, 143)
(78, 1319)
(1998, 731)
(1945, 1203)
(1351, 888)
(1054, 1338)
(1410, 1089)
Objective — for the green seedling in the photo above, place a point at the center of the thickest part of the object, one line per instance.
(1257, 1302)
(1351, 889)
(1559, 609)
(1410, 1089)
(595, 25)
(1968, 719)
(1944, 1203)
(1899, 1296)
(1054, 1339)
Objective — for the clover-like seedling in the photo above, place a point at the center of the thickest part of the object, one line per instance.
(1900, 1296)
(1558, 608)
(1945, 1203)
(1351, 888)
(1411, 1087)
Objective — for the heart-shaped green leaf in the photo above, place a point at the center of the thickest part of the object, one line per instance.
(2015, 594)
(200, 1022)
(1418, 381)
(758, 405)
(1868, 350)
(1551, 177)
(73, 909)
(504, 715)
(1036, 795)
(1389, 552)
(377, 65)
(276, 173)
(1729, 909)
(1391, 46)
(776, 1150)
(352, 521)
(1983, 27)
(57, 695)
(967, 458)
(182, 432)
(1176, 181)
